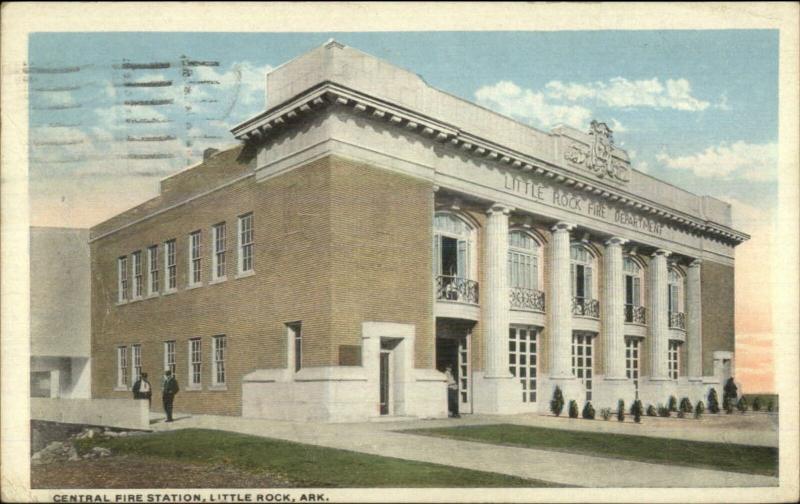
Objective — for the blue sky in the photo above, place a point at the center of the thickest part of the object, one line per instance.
(696, 108)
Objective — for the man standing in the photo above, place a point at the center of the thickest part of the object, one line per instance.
(142, 389)
(169, 387)
(452, 392)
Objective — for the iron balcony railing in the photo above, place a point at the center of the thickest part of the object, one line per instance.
(586, 307)
(451, 288)
(526, 299)
(677, 320)
(635, 314)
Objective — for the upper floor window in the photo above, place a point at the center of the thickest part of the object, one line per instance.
(246, 243)
(170, 265)
(675, 298)
(218, 260)
(152, 260)
(195, 269)
(138, 278)
(632, 275)
(453, 241)
(581, 271)
(523, 261)
(122, 279)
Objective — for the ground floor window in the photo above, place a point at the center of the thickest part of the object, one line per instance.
(195, 362)
(122, 367)
(582, 359)
(522, 359)
(674, 357)
(169, 356)
(220, 345)
(137, 362)
(632, 346)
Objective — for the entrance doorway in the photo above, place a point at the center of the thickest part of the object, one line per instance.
(385, 371)
(453, 340)
(388, 393)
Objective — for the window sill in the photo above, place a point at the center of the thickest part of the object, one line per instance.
(245, 274)
(218, 280)
(153, 295)
(194, 388)
(136, 299)
(121, 303)
(195, 286)
(169, 292)
(218, 388)
(121, 389)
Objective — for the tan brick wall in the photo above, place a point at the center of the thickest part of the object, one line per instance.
(718, 316)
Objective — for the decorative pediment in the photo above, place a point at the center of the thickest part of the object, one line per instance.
(596, 153)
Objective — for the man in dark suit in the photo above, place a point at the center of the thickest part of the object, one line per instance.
(142, 389)
(169, 387)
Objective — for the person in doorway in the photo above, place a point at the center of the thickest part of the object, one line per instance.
(142, 389)
(452, 392)
(169, 387)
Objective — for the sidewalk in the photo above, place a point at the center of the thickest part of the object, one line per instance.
(380, 438)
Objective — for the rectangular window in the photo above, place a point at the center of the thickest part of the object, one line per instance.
(522, 359)
(138, 278)
(632, 362)
(674, 359)
(246, 243)
(122, 279)
(220, 344)
(122, 367)
(582, 360)
(195, 362)
(295, 334)
(152, 260)
(136, 370)
(171, 266)
(169, 356)
(194, 259)
(218, 266)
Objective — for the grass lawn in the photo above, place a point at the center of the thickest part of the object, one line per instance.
(720, 456)
(303, 465)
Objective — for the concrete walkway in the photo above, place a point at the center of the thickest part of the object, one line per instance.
(382, 438)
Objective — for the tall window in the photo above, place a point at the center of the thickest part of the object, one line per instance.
(195, 362)
(218, 266)
(246, 243)
(451, 246)
(582, 360)
(522, 359)
(675, 291)
(295, 334)
(169, 356)
(581, 272)
(122, 279)
(138, 278)
(523, 261)
(632, 361)
(220, 344)
(152, 260)
(122, 367)
(171, 265)
(674, 358)
(633, 291)
(194, 259)
(136, 354)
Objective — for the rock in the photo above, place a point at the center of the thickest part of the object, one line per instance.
(102, 452)
(73, 454)
(111, 434)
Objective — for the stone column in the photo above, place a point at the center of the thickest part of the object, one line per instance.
(614, 310)
(494, 296)
(560, 304)
(659, 316)
(694, 322)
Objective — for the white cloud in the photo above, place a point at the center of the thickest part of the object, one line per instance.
(740, 160)
(533, 107)
(620, 92)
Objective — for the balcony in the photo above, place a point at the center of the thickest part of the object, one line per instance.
(584, 307)
(526, 299)
(635, 314)
(457, 289)
(677, 320)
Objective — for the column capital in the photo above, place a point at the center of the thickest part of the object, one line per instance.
(436, 188)
(695, 263)
(616, 240)
(499, 208)
(563, 226)
(661, 252)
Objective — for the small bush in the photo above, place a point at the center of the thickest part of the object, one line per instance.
(686, 405)
(557, 403)
(605, 413)
(636, 411)
(726, 404)
(663, 411)
(770, 407)
(681, 414)
(731, 390)
(699, 409)
(742, 405)
(573, 409)
(757, 404)
(713, 401)
(621, 410)
(651, 410)
(588, 411)
(673, 403)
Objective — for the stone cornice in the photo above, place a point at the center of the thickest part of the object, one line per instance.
(329, 94)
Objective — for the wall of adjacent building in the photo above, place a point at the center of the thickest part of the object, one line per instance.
(717, 285)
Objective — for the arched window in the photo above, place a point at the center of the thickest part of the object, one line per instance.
(675, 299)
(632, 276)
(523, 261)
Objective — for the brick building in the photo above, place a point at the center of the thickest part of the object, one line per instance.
(370, 230)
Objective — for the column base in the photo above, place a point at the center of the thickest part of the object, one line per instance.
(607, 392)
(571, 388)
(496, 395)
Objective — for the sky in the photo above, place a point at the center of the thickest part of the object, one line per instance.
(113, 113)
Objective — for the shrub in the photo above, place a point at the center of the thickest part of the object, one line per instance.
(728, 404)
(557, 403)
(757, 404)
(663, 411)
(673, 403)
(713, 401)
(636, 411)
(651, 410)
(699, 409)
(681, 414)
(731, 390)
(621, 410)
(770, 407)
(742, 405)
(573, 409)
(605, 413)
(686, 405)
(588, 411)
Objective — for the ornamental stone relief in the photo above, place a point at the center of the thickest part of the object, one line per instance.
(598, 157)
